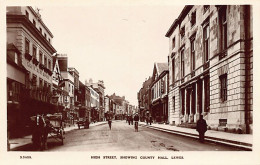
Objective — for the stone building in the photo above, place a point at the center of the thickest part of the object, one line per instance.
(211, 67)
(28, 33)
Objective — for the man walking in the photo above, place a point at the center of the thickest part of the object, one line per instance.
(201, 128)
(110, 123)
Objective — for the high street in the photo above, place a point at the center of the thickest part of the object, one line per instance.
(122, 137)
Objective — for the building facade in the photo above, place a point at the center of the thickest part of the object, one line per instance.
(159, 93)
(210, 67)
(15, 88)
(27, 32)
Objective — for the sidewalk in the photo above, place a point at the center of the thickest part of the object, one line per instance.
(243, 141)
(27, 140)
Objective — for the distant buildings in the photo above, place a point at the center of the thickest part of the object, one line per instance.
(40, 81)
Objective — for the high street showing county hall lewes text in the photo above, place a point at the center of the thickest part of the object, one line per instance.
(120, 81)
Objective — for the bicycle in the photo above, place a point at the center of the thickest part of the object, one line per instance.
(136, 126)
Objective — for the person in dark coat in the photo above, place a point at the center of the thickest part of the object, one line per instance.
(150, 120)
(110, 123)
(201, 128)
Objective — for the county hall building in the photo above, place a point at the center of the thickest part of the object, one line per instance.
(211, 67)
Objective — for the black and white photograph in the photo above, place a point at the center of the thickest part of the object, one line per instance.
(129, 82)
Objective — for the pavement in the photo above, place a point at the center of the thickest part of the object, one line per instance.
(243, 141)
(17, 143)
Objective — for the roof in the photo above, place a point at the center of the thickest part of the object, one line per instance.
(182, 15)
(161, 67)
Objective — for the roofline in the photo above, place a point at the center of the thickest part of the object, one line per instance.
(177, 21)
(40, 19)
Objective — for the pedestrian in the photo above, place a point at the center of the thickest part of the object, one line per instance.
(110, 123)
(136, 119)
(129, 120)
(151, 119)
(132, 120)
(147, 120)
(201, 128)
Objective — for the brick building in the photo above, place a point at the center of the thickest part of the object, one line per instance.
(211, 67)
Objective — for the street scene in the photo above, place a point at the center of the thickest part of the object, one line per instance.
(114, 80)
(122, 137)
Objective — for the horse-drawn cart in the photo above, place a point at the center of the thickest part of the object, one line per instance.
(49, 126)
(56, 129)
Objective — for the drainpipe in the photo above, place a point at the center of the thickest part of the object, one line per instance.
(247, 65)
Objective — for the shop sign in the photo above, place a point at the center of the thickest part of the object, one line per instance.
(33, 67)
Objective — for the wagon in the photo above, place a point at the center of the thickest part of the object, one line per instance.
(49, 126)
(55, 127)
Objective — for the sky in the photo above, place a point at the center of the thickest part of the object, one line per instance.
(114, 43)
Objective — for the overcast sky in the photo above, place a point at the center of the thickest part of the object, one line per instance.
(117, 44)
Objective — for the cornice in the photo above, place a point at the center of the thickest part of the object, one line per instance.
(29, 25)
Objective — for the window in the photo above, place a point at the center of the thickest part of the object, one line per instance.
(182, 31)
(173, 103)
(45, 61)
(41, 30)
(15, 58)
(69, 87)
(49, 64)
(27, 14)
(205, 7)
(223, 87)
(27, 46)
(49, 40)
(173, 43)
(193, 54)
(223, 30)
(193, 18)
(34, 23)
(34, 52)
(173, 71)
(34, 80)
(45, 35)
(182, 63)
(40, 57)
(206, 42)
(40, 83)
